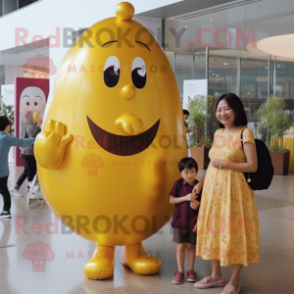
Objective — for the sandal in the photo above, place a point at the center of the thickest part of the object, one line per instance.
(209, 282)
(231, 289)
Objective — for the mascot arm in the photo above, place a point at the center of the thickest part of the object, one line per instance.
(51, 144)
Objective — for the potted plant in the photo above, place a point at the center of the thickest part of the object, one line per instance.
(274, 116)
(8, 110)
(199, 143)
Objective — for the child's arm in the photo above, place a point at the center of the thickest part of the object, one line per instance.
(176, 200)
(20, 142)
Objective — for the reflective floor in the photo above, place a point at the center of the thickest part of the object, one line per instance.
(62, 272)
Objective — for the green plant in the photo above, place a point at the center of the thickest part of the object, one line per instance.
(198, 109)
(8, 110)
(274, 116)
(207, 142)
(277, 149)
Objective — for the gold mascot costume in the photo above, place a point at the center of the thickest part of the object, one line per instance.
(112, 136)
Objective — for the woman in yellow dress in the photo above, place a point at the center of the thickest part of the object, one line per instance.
(228, 229)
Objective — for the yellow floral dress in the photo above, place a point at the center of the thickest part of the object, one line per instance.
(228, 228)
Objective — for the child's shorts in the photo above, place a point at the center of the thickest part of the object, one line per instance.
(182, 235)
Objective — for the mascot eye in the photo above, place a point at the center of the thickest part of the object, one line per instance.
(139, 75)
(111, 71)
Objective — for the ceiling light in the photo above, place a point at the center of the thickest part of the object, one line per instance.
(279, 65)
(225, 63)
(186, 26)
(280, 46)
(197, 52)
(211, 19)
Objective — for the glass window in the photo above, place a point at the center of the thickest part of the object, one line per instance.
(222, 75)
(254, 77)
(189, 66)
(284, 80)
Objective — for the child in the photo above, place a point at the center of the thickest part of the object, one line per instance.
(6, 141)
(30, 130)
(184, 218)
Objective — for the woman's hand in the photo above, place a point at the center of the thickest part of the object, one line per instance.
(197, 188)
(218, 163)
(195, 228)
(194, 204)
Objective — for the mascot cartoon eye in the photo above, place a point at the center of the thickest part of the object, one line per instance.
(139, 75)
(111, 71)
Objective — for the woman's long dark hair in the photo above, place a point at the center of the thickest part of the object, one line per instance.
(236, 105)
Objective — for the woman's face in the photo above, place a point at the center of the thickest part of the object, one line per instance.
(225, 114)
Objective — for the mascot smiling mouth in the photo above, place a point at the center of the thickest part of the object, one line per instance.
(123, 145)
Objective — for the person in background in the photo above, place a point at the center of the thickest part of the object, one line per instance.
(30, 130)
(186, 115)
(6, 142)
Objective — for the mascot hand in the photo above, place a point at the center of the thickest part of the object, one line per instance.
(50, 145)
(130, 124)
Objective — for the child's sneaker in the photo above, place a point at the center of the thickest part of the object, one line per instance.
(191, 276)
(178, 278)
(15, 192)
(5, 214)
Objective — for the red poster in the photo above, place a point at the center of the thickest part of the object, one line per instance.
(30, 96)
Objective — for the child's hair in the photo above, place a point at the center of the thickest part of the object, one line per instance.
(236, 105)
(185, 111)
(4, 122)
(188, 162)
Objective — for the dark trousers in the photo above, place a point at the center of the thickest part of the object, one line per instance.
(30, 169)
(5, 193)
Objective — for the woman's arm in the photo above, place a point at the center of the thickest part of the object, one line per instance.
(247, 167)
(197, 188)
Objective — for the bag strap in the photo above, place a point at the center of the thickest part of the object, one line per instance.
(249, 179)
(242, 137)
(179, 186)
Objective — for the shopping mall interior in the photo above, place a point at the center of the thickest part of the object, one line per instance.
(236, 46)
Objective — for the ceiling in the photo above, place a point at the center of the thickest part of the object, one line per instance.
(187, 6)
(267, 18)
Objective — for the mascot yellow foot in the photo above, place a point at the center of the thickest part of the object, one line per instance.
(135, 257)
(101, 266)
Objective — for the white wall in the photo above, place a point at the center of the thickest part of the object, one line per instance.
(45, 17)
(14, 63)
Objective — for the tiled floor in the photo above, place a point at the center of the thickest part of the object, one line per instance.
(64, 274)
